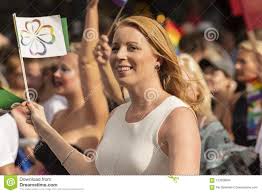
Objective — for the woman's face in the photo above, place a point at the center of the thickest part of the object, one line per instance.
(216, 80)
(15, 77)
(132, 58)
(246, 67)
(66, 75)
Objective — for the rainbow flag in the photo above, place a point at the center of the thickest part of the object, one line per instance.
(173, 31)
(254, 114)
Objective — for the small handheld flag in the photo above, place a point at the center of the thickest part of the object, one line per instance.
(40, 37)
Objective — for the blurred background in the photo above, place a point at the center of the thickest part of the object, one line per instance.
(215, 12)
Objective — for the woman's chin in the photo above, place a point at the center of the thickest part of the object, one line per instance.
(125, 81)
(60, 91)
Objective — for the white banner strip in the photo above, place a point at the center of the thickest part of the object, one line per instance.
(131, 184)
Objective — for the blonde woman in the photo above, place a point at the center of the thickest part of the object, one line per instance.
(219, 155)
(249, 106)
(193, 74)
(156, 132)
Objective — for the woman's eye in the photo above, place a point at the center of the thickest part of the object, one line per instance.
(65, 69)
(132, 48)
(115, 49)
(54, 68)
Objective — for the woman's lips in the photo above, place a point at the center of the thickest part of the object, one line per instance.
(122, 69)
(57, 83)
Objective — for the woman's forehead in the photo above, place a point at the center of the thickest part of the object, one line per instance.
(125, 33)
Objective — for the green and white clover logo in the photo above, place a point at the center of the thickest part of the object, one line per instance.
(10, 182)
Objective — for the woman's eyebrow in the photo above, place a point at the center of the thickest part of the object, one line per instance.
(129, 42)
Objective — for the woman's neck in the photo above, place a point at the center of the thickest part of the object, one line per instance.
(145, 95)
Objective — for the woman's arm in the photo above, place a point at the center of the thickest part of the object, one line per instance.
(92, 85)
(184, 145)
(74, 162)
(102, 54)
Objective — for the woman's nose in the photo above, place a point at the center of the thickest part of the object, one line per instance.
(238, 66)
(121, 54)
(57, 73)
(207, 76)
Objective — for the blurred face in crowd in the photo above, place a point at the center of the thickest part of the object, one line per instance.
(132, 58)
(14, 75)
(246, 67)
(216, 79)
(66, 75)
(34, 75)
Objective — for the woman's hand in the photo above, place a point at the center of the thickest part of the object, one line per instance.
(102, 51)
(19, 114)
(36, 117)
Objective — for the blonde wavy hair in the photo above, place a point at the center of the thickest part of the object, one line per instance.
(170, 73)
(195, 75)
(247, 45)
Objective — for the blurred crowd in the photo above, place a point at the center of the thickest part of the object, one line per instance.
(225, 72)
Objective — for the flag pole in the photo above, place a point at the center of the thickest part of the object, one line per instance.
(21, 60)
(115, 20)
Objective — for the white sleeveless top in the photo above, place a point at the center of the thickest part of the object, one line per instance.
(132, 148)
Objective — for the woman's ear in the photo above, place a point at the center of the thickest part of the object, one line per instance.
(159, 60)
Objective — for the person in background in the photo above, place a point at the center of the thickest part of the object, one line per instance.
(13, 74)
(228, 41)
(27, 136)
(194, 44)
(219, 154)
(3, 82)
(248, 114)
(219, 74)
(4, 41)
(51, 101)
(9, 141)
